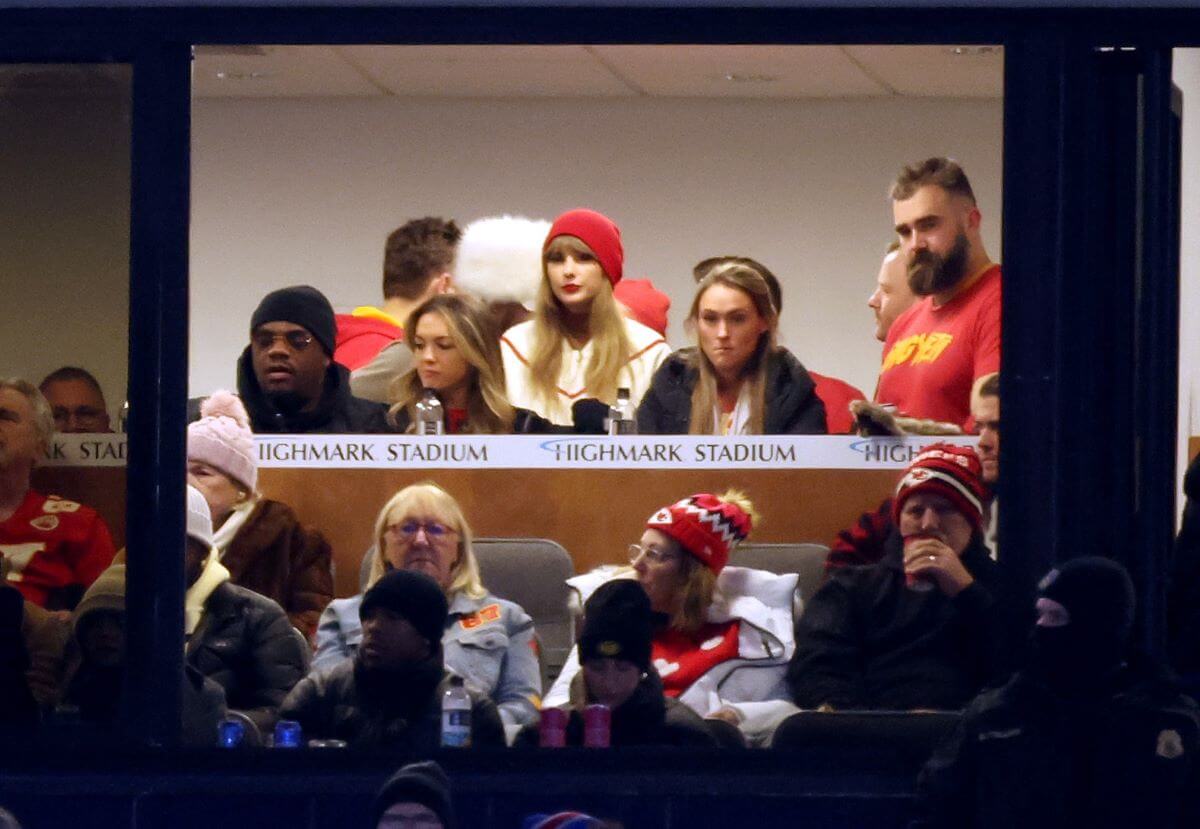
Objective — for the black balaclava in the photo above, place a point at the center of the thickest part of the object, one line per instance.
(1080, 657)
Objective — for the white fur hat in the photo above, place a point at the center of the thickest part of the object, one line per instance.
(199, 519)
(500, 259)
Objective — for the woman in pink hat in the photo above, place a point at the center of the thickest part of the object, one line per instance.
(724, 634)
(578, 346)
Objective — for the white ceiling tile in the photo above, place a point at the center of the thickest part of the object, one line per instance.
(935, 71)
(278, 72)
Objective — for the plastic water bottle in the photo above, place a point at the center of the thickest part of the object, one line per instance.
(430, 414)
(620, 415)
(456, 715)
(123, 418)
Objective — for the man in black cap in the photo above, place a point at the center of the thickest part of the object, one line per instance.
(390, 693)
(614, 653)
(1089, 733)
(287, 377)
(417, 795)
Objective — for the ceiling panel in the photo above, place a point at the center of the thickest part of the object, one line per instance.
(275, 71)
(741, 71)
(936, 71)
(487, 71)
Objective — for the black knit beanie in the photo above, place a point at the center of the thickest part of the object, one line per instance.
(423, 783)
(618, 624)
(415, 596)
(302, 305)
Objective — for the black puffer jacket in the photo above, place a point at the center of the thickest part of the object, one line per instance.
(402, 713)
(1024, 756)
(866, 641)
(338, 413)
(647, 718)
(246, 644)
(792, 405)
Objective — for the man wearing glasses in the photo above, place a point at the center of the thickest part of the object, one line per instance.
(287, 377)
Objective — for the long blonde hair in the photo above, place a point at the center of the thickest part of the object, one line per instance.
(754, 373)
(606, 326)
(428, 500)
(471, 329)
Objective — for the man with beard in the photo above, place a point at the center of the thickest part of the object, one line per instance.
(390, 694)
(287, 377)
(938, 349)
(1089, 733)
(928, 625)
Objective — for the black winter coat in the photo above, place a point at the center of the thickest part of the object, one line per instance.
(866, 641)
(1183, 593)
(339, 412)
(334, 705)
(1024, 756)
(791, 402)
(246, 644)
(647, 718)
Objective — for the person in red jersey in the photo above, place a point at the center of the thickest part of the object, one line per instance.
(939, 348)
(55, 548)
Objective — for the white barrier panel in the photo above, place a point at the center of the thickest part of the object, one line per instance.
(542, 451)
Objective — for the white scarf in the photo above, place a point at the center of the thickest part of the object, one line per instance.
(238, 516)
(211, 577)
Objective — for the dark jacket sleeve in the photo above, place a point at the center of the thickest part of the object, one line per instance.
(278, 659)
(487, 730)
(826, 667)
(666, 406)
(946, 785)
(304, 704)
(793, 407)
(863, 543)
(311, 585)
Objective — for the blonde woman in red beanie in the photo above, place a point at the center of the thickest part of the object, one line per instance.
(723, 635)
(578, 346)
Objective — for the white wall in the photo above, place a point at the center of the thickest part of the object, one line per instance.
(1187, 78)
(64, 237)
(304, 191)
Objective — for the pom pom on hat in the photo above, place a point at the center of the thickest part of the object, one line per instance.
(500, 259)
(222, 438)
(947, 470)
(646, 304)
(705, 526)
(598, 232)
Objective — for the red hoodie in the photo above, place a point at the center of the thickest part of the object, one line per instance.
(837, 395)
(361, 334)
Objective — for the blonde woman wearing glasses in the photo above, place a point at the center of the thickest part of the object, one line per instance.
(724, 634)
(488, 641)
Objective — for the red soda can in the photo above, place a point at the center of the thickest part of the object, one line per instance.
(917, 581)
(552, 729)
(597, 726)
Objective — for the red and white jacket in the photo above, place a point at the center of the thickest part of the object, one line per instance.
(52, 544)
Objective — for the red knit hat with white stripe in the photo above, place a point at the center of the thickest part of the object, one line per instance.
(947, 470)
(705, 526)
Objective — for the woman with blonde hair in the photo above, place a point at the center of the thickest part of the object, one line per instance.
(724, 634)
(737, 380)
(579, 347)
(457, 356)
(488, 641)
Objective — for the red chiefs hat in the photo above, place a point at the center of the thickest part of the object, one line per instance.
(598, 232)
(950, 471)
(704, 525)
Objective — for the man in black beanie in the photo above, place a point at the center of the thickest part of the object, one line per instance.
(1090, 733)
(418, 794)
(614, 654)
(287, 377)
(390, 693)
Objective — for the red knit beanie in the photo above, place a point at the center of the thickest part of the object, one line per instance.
(646, 304)
(946, 470)
(598, 232)
(705, 526)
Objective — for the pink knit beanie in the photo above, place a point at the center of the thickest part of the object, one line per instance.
(222, 439)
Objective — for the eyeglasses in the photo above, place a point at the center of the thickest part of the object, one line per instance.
(654, 554)
(409, 529)
(297, 339)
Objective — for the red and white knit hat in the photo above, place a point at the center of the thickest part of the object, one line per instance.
(598, 232)
(704, 525)
(950, 471)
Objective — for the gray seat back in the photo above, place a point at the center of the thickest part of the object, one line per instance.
(532, 572)
(807, 560)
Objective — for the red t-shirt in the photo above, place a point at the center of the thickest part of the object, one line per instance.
(53, 543)
(681, 659)
(933, 355)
